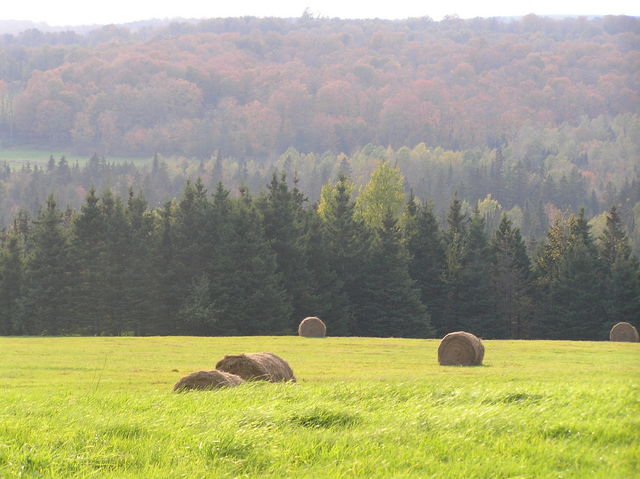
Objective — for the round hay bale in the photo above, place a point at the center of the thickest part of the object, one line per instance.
(624, 332)
(312, 327)
(257, 367)
(208, 380)
(460, 349)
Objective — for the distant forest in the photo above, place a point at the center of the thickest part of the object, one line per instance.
(209, 263)
(541, 114)
(251, 87)
(512, 148)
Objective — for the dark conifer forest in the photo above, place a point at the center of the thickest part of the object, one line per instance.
(395, 178)
(212, 263)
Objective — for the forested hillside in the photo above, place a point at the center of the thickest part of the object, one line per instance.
(255, 87)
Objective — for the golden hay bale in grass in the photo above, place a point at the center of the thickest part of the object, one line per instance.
(257, 367)
(208, 380)
(312, 327)
(624, 332)
(460, 349)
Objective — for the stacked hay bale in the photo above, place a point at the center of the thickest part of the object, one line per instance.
(204, 380)
(460, 349)
(257, 367)
(312, 327)
(624, 332)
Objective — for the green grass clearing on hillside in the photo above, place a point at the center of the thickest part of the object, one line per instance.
(103, 407)
(16, 157)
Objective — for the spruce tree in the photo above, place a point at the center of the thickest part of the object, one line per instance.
(138, 290)
(47, 298)
(511, 278)
(167, 299)
(426, 258)
(192, 235)
(247, 292)
(117, 262)
(183, 242)
(283, 214)
(570, 299)
(329, 301)
(390, 303)
(348, 245)
(11, 285)
(622, 274)
(89, 264)
(475, 309)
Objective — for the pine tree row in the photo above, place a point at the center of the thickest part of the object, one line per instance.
(376, 265)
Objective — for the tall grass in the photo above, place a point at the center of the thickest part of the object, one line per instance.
(103, 407)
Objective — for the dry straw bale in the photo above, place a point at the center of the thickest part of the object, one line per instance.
(208, 380)
(312, 327)
(460, 349)
(257, 367)
(624, 332)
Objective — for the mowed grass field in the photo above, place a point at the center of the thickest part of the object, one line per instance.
(17, 157)
(366, 408)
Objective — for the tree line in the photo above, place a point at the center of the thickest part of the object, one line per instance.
(370, 262)
(532, 178)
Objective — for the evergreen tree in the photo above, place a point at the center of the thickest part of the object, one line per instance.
(348, 243)
(198, 312)
(192, 232)
(217, 172)
(570, 299)
(89, 267)
(48, 276)
(117, 262)
(511, 278)
(475, 309)
(390, 303)
(282, 210)
(164, 276)
(190, 237)
(247, 289)
(139, 298)
(622, 275)
(427, 258)
(330, 302)
(614, 241)
(11, 285)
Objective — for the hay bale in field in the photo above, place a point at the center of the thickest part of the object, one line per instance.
(624, 332)
(460, 349)
(208, 380)
(312, 327)
(257, 367)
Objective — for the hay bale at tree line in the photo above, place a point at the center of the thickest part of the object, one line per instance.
(460, 349)
(312, 327)
(208, 380)
(257, 367)
(624, 332)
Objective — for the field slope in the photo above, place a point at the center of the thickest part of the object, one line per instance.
(103, 407)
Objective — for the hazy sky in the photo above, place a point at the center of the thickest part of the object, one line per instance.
(76, 12)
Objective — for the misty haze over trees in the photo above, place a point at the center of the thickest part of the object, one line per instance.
(504, 155)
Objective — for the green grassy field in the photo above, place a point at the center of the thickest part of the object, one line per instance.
(16, 157)
(103, 407)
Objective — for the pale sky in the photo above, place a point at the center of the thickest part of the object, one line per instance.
(78, 12)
